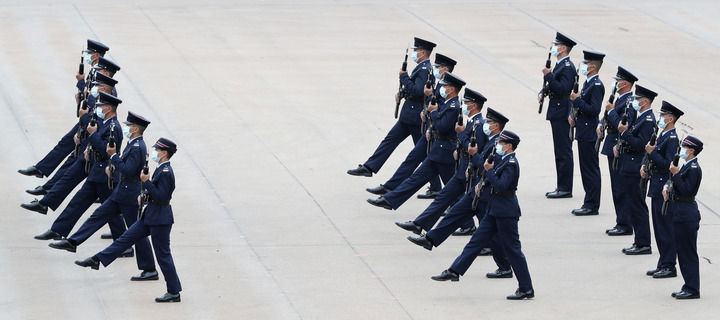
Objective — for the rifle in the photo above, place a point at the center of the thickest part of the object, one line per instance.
(675, 162)
(429, 85)
(143, 192)
(648, 164)
(490, 158)
(620, 142)
(91, 153)
(543, 92)
(471, 166)
(458, 145)
(428, 118)
(604, 124)
(401, 92)
(573, 110)
(111, 167)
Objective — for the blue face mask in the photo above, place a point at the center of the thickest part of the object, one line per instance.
(99, 113)
(661, 123)
(94, 91)
(486, 128)
(414, 56)
(126, 132)
(465, 110)
(436, 73)
(584, 69)
(154, 156)
(499, 150)
(443, 93)
(636, 105)
(88, 58)
(683, 154)
(554, 50)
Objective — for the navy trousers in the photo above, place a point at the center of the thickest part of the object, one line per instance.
(562, 146)
(102, 215)
(160, 236)
(622, 221)
(60, 172)
(427, 170)
(58, 153)
(450, 194)
(506, 232)
(72, 176)
(407, 167)
(632, 204)
(590, 173)
(82, 200)
(663, 227)
(399, 132)
(686, 244)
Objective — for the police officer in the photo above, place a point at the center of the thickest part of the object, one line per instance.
(472, 105)
(501, 220)
(440, 159)
(560, 82)
(47, 165)
(409, 122)
(419, 152)
(657, 159)
(123, 200)
(156, 221)
(630, 153)
(624, 81)
(588, 108)
(685, 215)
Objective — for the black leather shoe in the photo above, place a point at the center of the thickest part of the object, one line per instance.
(683, 295)
(49, 235)
(106, 236)
(379, 190)
(361, 170)
(429, 194)
(129, 253)
(651, 272)
(665, 273)
(619, 232)
(31, 171)
(145, 276)
(63, 245)
(380, 202)
(447, 275)
(421, 241)
(38, 191)
(36, 206)
(485, 252)
(549, 192)
(410, 226)
(635, 250)
(559, 194)
(519, 295)
(91, 262)
(585, 212)
(499, 274)
(464, 231)
(169, 297)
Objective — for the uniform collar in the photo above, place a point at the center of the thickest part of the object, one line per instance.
(160, 165)
(591, 78)
(664, 132)
(564, 58)
(644, 112)
(475, 116)
(624, 94)
(133, 139)
(505, 156)
(106, 120)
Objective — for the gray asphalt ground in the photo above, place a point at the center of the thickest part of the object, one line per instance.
(271, 102)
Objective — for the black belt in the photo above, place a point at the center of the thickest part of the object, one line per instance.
(130, 179)
(506, 193)
(160, 203)
(612, 130)
(684, 199)
(631, 151)
(659, 171)
(439, 137)
(567, 97)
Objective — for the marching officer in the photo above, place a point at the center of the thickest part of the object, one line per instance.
(472, 105)
(624, 81)
(409, 122)
(560, 82)
(658, 157)
(630, 152)
(685, 215)
(156, 221)
(419, 152)
(501, 220)
(588, 108)
(439, 160)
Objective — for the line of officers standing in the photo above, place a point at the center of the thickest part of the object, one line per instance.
(134, 204)
(479, 170)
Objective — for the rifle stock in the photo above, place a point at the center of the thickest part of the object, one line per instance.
(400, 89)
(543, 92)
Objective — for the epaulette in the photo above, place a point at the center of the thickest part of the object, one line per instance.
(567, 63)
(512, 160)
(166, 169)
(649, 118)
(598, 83)
(673, 136)
(137, 143)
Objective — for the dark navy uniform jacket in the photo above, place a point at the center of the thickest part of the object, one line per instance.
(588, 105)
(160, 189)
(464, 139)
(444, 120)
(560, 83)
(635, 138)
(503, 179)
(667, 145)
(686, 184)
(479, 161)
(127, 171)
(99, 141)
(414, 85)
(613, 118)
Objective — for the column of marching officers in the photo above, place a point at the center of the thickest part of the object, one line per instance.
(479, 170)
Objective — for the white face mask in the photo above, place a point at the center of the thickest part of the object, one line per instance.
(486, 129)
(683, 154)
(414, 56)
(436, 73)
(661, 123)
(126, 132)
(94, 91)
(88, 58)
(465, 110)
(154, 156)
(99, 113)
(584, 69)
(636, 105)
(499, 150)
(443, 92)
(554, 51)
